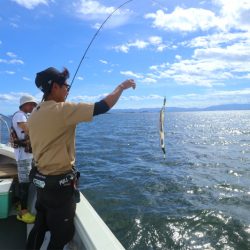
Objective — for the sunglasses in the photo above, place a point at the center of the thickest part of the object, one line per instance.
(67, 86)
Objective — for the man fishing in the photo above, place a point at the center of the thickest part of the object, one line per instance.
(23, 155)
(52, 127)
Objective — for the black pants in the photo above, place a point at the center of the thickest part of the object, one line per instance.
(23, 194)
(55, 213)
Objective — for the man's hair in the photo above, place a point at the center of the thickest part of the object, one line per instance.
(45, 79)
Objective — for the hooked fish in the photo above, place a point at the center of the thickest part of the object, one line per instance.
(162, 132)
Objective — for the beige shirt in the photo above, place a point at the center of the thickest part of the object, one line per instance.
(52, 132)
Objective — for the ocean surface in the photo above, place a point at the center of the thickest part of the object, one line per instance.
(196, 198)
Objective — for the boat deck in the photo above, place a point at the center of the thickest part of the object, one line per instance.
(8, 167)
(13, 233)
(91, 231)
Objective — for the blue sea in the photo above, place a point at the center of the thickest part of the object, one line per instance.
(196, 198)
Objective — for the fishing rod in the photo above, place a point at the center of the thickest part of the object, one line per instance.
(162, 135)
(93, 38)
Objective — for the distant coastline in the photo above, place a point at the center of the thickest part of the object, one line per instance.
(225, 107)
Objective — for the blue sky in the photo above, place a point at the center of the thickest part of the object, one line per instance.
(196, 53)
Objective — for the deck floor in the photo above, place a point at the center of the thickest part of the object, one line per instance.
(13, 233)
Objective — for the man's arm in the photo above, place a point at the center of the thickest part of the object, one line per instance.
(113, 97)
(110, 100)
(24, 127)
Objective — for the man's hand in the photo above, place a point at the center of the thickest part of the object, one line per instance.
(24, 127)
(128, 84)
(113, 97)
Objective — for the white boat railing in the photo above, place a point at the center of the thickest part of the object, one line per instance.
(4, 129)
(93, 231)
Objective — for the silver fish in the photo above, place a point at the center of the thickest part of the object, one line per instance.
(162, 133)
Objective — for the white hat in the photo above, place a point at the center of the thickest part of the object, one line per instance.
(25, 99)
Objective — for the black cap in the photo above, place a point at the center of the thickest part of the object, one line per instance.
(45, 78)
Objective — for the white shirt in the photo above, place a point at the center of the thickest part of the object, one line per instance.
(20, 154)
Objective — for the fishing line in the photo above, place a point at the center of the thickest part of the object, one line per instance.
(164, 7)
(95, 35)
(93, 38)
(162, 135)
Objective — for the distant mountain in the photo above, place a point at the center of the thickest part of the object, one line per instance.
(230, 107)
(213, 108)
(176, 109)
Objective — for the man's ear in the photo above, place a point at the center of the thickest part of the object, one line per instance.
(54, 86)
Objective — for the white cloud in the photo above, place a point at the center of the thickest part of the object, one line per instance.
(215, 59)
(3, 61)
(10, 72)
(141, 98)
(233, 14)
(230, 93)
(80, 78)
(122, 48)
(103, 61)
(218, 39)
(12, 61)
(31, 4)
(26, 78)
(157, 41)
(14, 25)
(14, 21)
(160, 66)
(148, 80)
(178, 57)
(197, 72)
(186, 20)
(154, 41)
(11, 54)
(161, 47)
(9, 103)
(96, 11)
(139, 44)
(124, 98)
(131, 74)
(12, 96)
(140, 77)
(86, 98)
(92, 8)
(246, 76)
(7, 97)
(96, 26)
(235, 52)
(210, 98)
(109, 71)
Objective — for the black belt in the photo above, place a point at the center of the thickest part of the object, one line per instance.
(53, 181)
(56, 182)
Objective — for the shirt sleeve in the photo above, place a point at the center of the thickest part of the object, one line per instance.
(19, 117)
(74, 113)
(101, 107)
